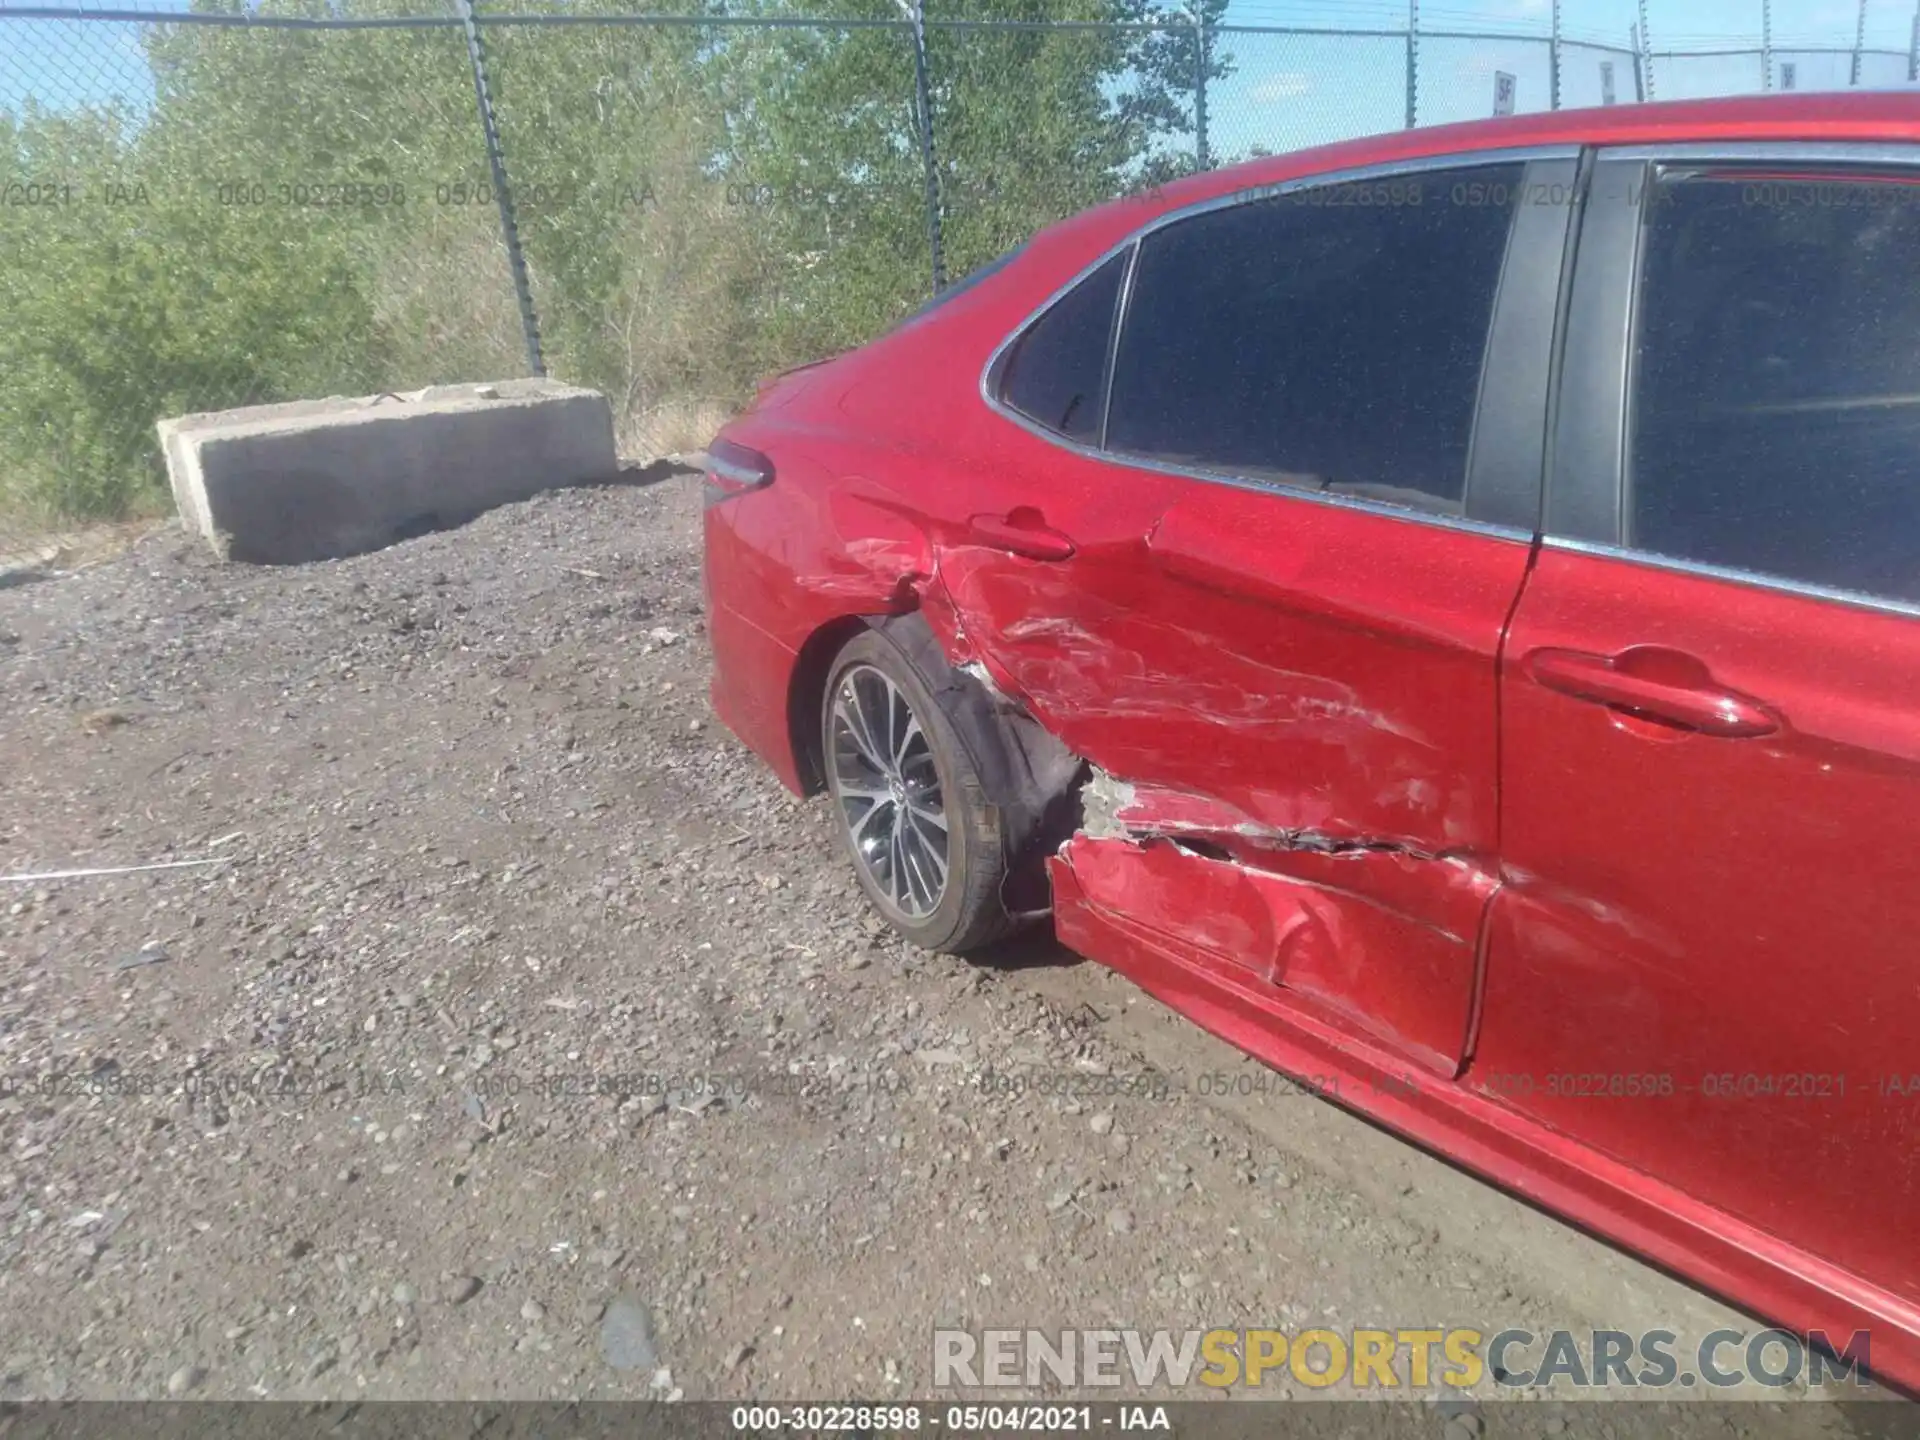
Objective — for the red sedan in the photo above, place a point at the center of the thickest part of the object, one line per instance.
(1441, 611)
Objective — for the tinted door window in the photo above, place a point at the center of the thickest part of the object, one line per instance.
(1330, 337)
(1056, 372)
(1776, 409)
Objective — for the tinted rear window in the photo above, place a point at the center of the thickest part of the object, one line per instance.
(1056, 372)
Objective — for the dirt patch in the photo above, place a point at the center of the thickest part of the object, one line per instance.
(30, 553)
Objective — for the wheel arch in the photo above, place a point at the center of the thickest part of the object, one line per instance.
(807, 691)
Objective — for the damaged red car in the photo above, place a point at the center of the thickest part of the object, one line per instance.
(1442, 612)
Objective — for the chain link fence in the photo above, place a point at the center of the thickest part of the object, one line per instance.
(256, 200)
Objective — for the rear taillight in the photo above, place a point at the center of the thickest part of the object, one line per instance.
(734, 470)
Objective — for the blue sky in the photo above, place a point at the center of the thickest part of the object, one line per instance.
(1288, 90)
(63, 63)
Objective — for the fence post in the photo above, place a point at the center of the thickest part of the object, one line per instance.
(1413, 63)
(1553, 81)
(1766, 44)
(496, 165)
(1859, 42)
(1643, 57)
(1203, 153)
(923, 117)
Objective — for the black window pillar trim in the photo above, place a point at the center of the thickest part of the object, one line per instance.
(1507, 453)
(1587, 473)
(1570, 258)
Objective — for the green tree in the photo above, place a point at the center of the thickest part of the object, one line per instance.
(1165, 68)
(615, 135)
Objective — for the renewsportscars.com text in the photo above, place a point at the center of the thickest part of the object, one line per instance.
(1387, 1359)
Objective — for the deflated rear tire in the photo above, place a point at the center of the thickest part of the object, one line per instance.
(910, 810)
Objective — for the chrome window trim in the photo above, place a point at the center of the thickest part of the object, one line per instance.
(1452, 160)
(1288, 492)
(1855, 152)
(1111, 364)
(1753, 579)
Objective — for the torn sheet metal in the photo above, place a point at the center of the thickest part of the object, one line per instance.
(1375, 970)
(1380, 933)
(1446, 891)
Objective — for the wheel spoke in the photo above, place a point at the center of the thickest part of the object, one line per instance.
(935, 855)
(877, 710)
(907, 737)
(895, 703)
(861, 826)
(854, 721)
(932, 830)
(917, 879)
(876, 716)
(897, 865)
(919, 772)
(938, 861)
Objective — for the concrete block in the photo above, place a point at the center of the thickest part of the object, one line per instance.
(317, 479)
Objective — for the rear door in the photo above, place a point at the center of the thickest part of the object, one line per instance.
(1704, 960)
(1257, 566)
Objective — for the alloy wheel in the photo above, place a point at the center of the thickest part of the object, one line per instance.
(888, 790)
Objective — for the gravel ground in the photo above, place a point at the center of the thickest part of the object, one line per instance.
(322, 1121)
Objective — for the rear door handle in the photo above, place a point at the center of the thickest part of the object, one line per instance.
(1021, 531)
(1666, 684)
